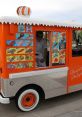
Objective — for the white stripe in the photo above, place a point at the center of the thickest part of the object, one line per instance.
(26, 11)
(26, 20)
(39, 72)
(20, 10)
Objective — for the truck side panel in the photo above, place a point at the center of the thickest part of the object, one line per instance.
(53, 82)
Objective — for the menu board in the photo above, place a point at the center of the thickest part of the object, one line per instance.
(20, 50)
(58, 48)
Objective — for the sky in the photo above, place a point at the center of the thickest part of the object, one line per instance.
(53, 10)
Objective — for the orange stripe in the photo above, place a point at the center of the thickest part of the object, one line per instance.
(23, 9)
(29, 11)
(18, 10)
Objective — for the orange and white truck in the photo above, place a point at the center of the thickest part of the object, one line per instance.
(21, 77)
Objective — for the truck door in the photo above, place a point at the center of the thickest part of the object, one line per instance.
(75, 60)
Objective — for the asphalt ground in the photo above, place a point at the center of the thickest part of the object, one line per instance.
(62, 106)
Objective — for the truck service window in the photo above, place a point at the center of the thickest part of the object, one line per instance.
(50, 48)
(77, 43)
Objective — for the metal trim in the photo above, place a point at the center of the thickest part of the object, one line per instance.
(75, 88)
(4, 100)
(36, 73)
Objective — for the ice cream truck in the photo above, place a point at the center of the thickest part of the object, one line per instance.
(38, 60)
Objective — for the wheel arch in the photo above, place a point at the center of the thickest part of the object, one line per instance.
(38, 88)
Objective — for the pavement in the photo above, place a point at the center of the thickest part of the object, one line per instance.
(62, 106)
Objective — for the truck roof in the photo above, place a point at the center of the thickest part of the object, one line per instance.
(26, 20)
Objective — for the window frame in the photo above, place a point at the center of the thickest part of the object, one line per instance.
(76, 55)
(51, 29)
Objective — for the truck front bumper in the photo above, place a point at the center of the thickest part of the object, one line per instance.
(4, 100)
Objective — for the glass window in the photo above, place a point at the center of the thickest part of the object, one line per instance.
(58, 48)
(77, 43)
(50, 48)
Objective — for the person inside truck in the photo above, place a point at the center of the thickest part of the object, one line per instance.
(41, 47)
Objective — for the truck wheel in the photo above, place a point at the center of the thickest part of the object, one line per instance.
(27, 100)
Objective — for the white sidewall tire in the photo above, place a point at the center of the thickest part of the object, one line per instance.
(20, 98)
